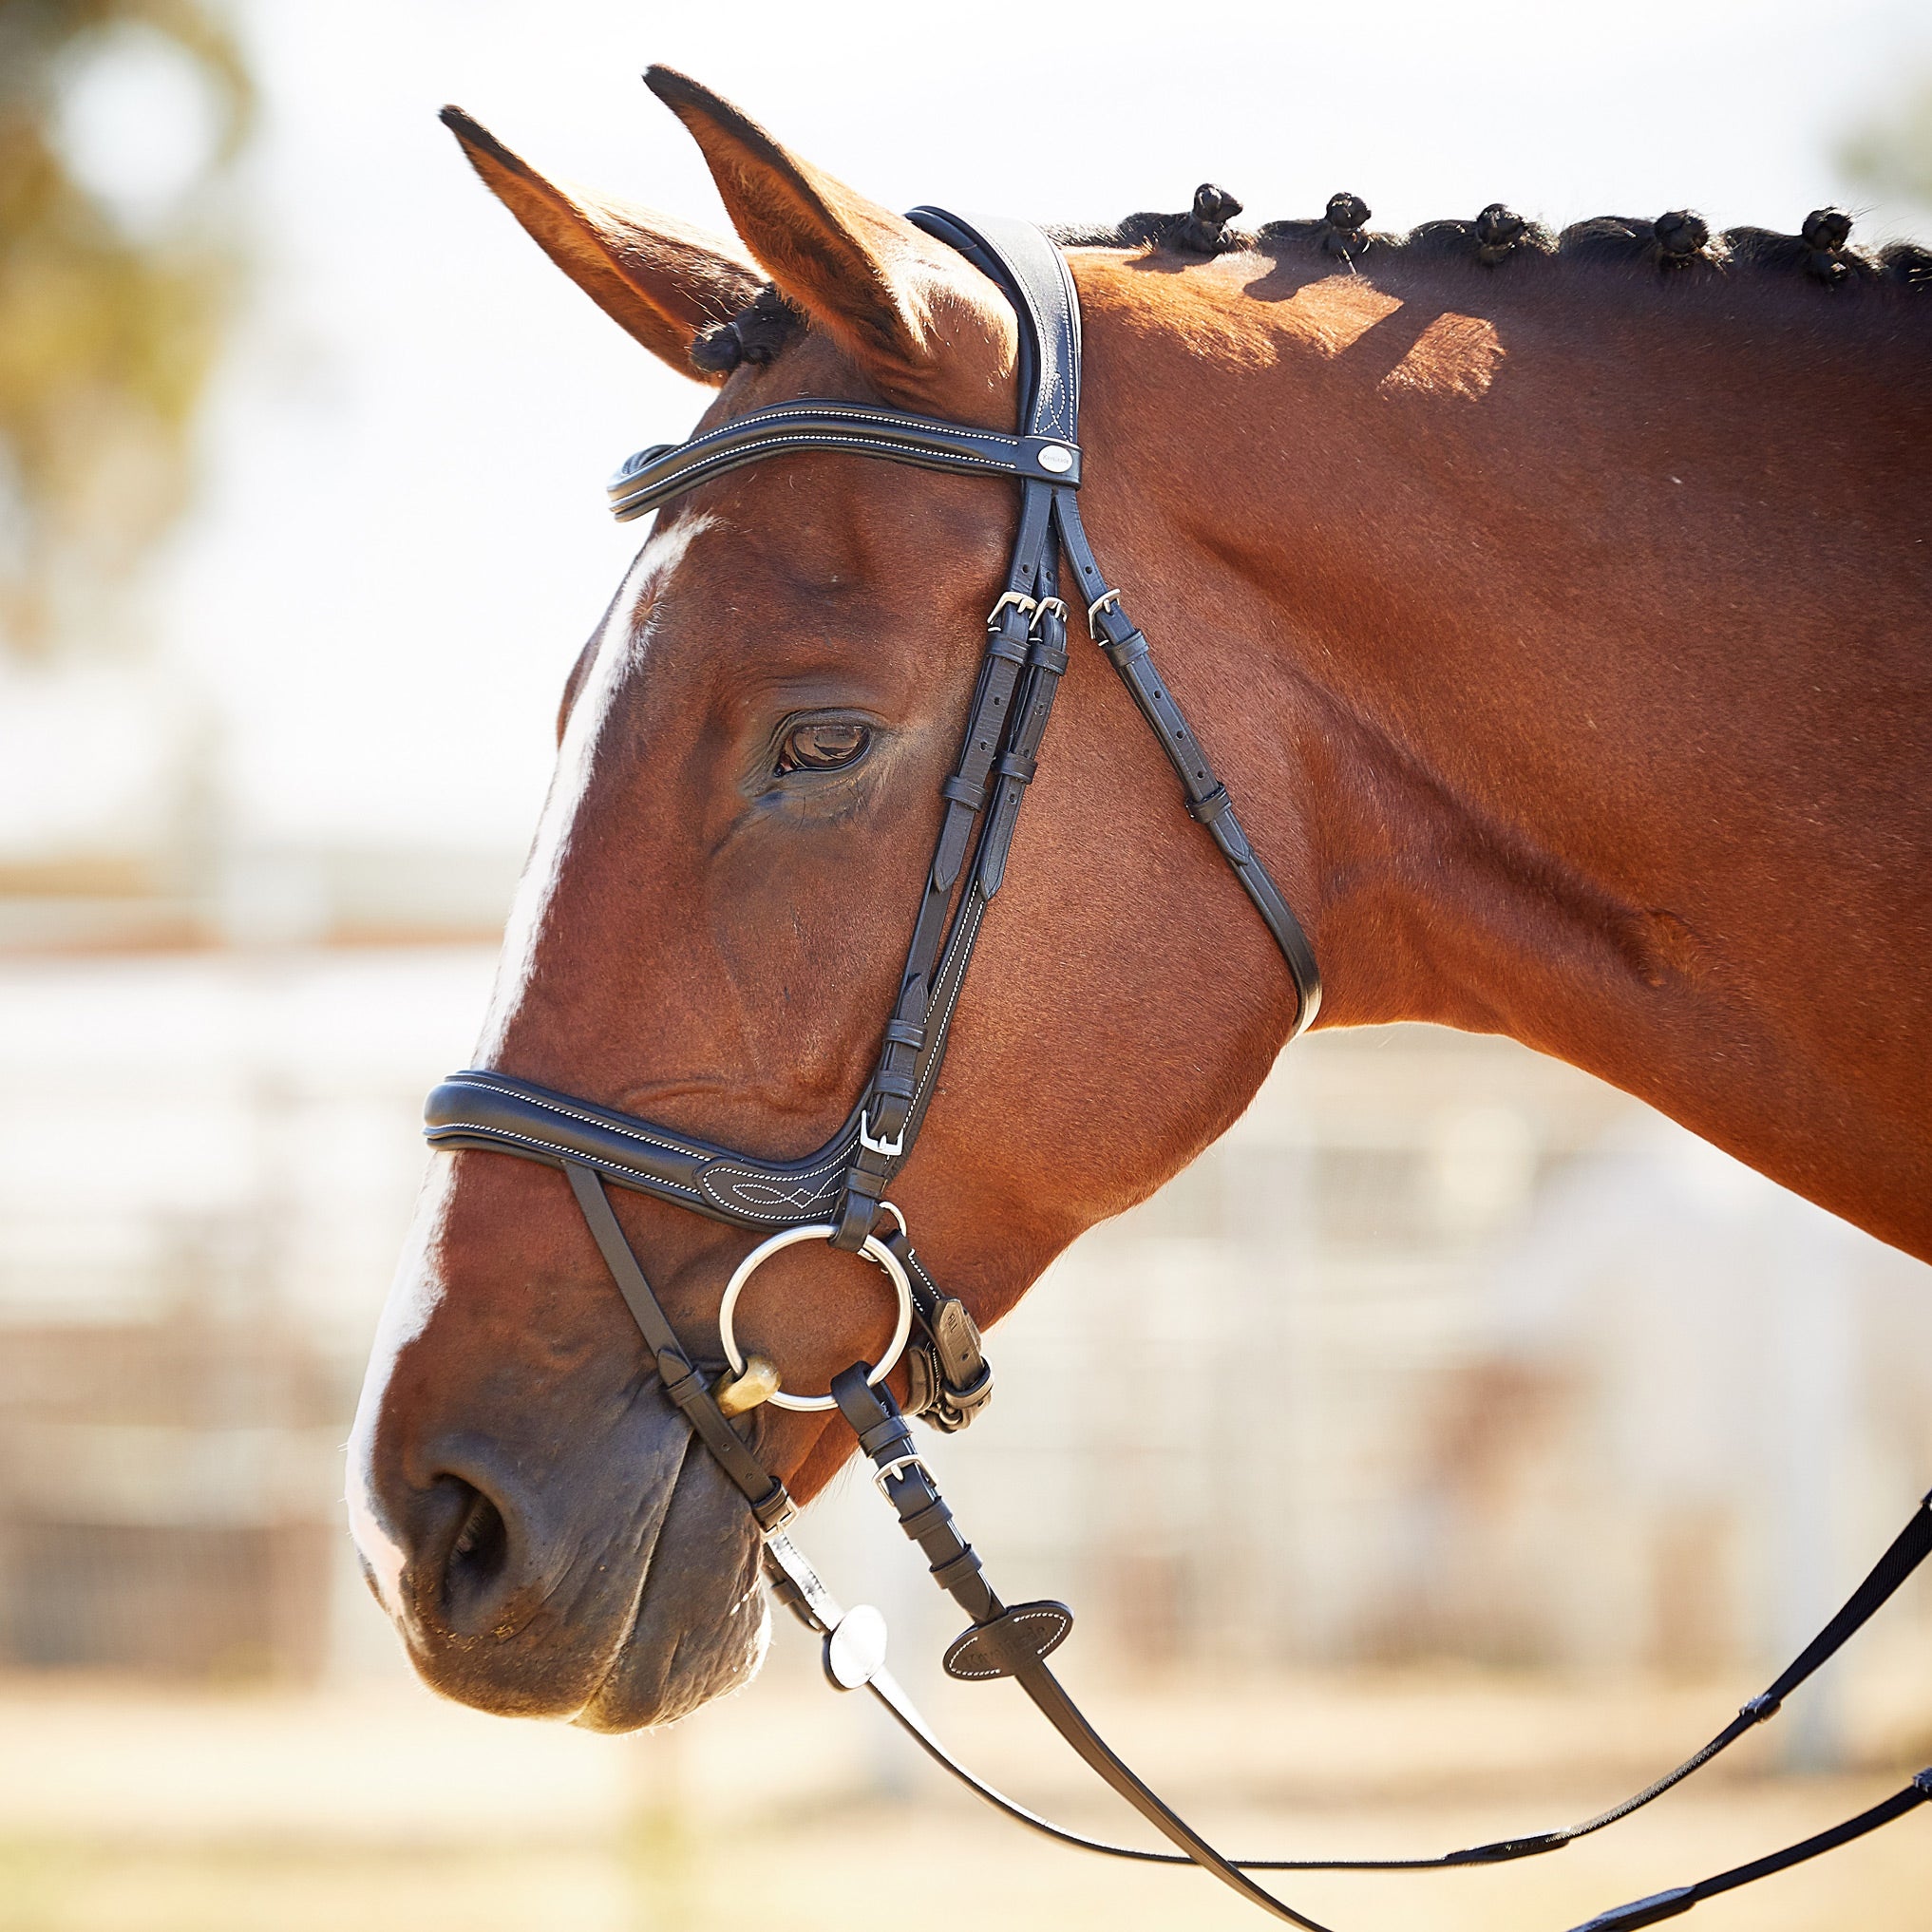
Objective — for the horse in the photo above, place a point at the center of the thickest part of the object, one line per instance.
(1556, 606)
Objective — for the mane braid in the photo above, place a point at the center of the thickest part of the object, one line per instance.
(1677, 244)
(757, 333)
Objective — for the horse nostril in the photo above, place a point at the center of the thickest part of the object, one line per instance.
(478, 1552)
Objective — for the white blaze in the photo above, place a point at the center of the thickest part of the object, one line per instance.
(575, 761)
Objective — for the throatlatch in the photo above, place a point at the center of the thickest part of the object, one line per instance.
(839, 1193)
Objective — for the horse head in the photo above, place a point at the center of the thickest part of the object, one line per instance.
(710, 930)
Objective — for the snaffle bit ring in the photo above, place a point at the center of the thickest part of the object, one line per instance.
(874, 1250)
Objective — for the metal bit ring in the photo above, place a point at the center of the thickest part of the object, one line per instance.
(874, 1250)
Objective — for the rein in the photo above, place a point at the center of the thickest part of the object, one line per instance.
(839, 1192)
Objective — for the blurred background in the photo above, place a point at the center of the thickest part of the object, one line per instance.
(1575, 1429)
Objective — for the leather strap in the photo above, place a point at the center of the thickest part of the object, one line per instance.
(654, 477)
(1207, 798)
(909, 1486)
(1661, 1905)
(907, 1483)
(683, 1384)
(499, 1112)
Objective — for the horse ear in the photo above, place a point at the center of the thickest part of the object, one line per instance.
(927, 328)
(651, 276)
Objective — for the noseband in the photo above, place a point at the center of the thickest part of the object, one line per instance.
(839, 1192)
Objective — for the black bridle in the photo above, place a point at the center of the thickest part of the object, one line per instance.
(1025, 656)
(839, 1191)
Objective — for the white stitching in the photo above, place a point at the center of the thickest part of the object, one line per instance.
(1027, 1616)
(748, 429)
(497, 1133)
(946, 1018)
(807, 412)
(702, 472)
(726, 1195)
(701, 469)
(714, 1178)
(572, 1113)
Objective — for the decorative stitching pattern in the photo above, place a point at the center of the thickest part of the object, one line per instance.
(828, 410)
(769, 423)
(650, 496)
(508, 1093)
(557, 1147)
(716, 1178)
(954, 1669)
(786, 439)
(795, 1196)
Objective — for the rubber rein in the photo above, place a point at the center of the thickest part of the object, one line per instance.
(838, 1194)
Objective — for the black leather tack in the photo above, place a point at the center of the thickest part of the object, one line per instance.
(922, 1379)
(1507, 1850)
(890, 1436)
(936, 1515)
(964, 793)
(1211, 807)
(950, 1576)
(1024, 1634)
(857, 1213)
(657, 476)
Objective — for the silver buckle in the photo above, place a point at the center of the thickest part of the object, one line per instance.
(1025, 606)
(891, 1149)
(897, 1467)
(1104, 601)
(1046, 604)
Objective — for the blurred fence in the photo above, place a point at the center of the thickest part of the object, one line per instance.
(1534, 1378)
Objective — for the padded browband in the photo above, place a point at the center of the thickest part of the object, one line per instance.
(503, 1115)
(654, 476)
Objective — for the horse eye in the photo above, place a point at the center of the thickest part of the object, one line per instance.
(823, 747)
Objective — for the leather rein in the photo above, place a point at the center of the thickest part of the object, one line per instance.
(839, 1192)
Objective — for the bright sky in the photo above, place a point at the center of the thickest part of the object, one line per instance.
(402, 540)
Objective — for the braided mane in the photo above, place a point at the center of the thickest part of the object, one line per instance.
(1679, 242)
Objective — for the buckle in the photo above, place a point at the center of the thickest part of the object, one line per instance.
(891, 1149)
(897, 1467)
(775, 1513)
(1106, 600)
(1025, 606)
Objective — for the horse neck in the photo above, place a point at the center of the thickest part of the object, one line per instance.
(1571, 638)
